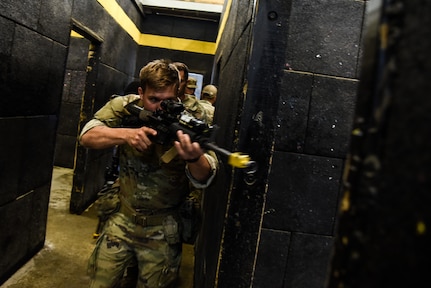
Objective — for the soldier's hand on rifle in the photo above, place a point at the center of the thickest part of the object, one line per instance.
(192, 152)
(187, 149)
(139, 138)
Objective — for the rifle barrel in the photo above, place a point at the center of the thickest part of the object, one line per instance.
(235, 159)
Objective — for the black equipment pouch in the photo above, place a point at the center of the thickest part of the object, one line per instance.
(170, 227)
(190, 214)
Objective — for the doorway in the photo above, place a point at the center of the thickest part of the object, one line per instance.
(79, 89)
(73, 89)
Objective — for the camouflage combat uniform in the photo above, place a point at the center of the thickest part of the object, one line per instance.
(193, 106)
(146, 227)
(209, 110)
(202, 111)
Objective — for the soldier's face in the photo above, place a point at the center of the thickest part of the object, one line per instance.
(152, 98)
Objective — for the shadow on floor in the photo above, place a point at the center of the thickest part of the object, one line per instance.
(62, 262)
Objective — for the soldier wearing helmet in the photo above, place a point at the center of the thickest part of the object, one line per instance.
(191, 86)
(208, 99)
(209, 93)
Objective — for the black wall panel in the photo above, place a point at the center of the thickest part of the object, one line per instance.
(309, 257)
(133, 12)
(33, 53)
(70, 110)
(295, 121)
(33, 82)
(55, 19)
(232, 62)
(324, 36)
(302, 193)
(197, 62)
(180, 27)
(272, 258)
(217, 195)
(86, 11)
(77, 60)
(23, 234)
(264, 63)
(6, 33)
(40, 136)
(66, 135)
(15, 246)
(383, 236)
(293, 108)
(10, 166)
(330, 116)
(237, 27)
(315, 114)
(24, 12)
(39, 59)
(118, 49)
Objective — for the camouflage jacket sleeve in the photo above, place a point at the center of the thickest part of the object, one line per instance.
(212, 159)
(111, 114)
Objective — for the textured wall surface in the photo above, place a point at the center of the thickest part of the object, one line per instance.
(73, 89)
(290, 106)
(32, 53)
(383, 236)
(40, 100)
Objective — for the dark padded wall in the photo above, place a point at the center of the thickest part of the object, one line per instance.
(312, 125)
(231, 60)
(197, 62)
(114, 68)
(35, 63)
(383, 238)
(73, 89)
(33, 53)
(33, 49)
(296, 124)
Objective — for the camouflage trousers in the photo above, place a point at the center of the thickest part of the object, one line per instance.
(121, 242)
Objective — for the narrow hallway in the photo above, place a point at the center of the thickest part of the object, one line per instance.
(69, 242)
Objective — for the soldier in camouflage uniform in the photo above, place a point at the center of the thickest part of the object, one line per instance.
(191, 103)
(146, 226)
(200, 111)
(208, 99)
(191, 86)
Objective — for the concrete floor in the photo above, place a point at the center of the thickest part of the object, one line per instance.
(69, 242)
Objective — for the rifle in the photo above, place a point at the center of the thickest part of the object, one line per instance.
(173, 117)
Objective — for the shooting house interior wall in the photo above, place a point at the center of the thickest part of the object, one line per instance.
(288, 77)
(276, 227)
(51, 81)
